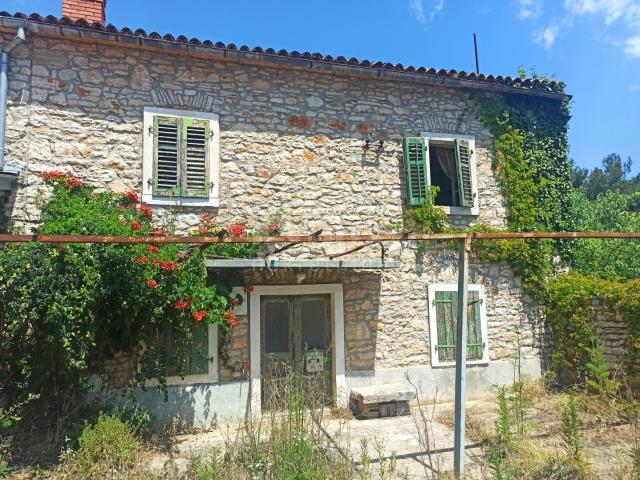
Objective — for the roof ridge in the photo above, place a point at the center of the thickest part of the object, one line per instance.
(535, 84)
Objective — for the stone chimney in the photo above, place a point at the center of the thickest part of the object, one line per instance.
(90, 10)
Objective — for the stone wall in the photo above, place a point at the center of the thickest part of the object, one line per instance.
(613, 333)
(291, 142)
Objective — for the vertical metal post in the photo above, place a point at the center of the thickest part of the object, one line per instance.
(461, 356)
(475, 47)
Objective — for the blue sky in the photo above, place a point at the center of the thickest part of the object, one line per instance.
(592, 45)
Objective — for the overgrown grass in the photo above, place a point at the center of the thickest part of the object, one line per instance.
(290, 442)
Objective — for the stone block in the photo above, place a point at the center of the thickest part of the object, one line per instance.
(390, 392)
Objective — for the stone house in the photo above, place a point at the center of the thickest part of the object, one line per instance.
(337, 144)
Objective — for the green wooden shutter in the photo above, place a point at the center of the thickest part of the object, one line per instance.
(446, 311)
(415, 164)
(166, 156)
(463, 166)
(475, 346)
(195, 158)
(446, 321)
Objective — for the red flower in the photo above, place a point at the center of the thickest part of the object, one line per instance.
(183, 304)
(169, 265)
(237, 230)
(155, 261)
(198, 316)
(132, 197)
(249, 290)
(136, 225)
(154, 249)
(203, 230)
(152, 284)
(146, 211)
(235, 302)
(207, 217)
(135, 260)
(73, 182)
(144, 259)
(52, 175)
(273, 228)
(158, 232)
(230, 317)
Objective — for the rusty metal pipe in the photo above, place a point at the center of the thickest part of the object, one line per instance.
(392, 237)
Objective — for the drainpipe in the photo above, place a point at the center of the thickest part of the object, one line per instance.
(4, 87)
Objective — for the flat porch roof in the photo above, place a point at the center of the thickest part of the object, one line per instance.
(277, 263)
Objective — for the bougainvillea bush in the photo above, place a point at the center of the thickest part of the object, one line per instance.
(64, 308)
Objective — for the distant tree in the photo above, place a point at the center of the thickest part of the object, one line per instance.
(613, 176)
(612, 211)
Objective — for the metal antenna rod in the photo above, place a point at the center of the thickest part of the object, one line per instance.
(475, 46)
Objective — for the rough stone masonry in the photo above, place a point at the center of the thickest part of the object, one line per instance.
(291, 142)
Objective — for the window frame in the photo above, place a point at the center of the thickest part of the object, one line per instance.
(450, 137)
(433, 323)
(212, 376)
(148, 197)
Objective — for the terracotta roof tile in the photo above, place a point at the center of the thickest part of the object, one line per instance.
(529, 84)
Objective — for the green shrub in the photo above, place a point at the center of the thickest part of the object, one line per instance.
(109, 447)
(66, 308)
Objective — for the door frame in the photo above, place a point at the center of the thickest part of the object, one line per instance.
(337, 331)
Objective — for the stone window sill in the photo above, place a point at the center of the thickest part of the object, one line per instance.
(180, 201)
(453, 364)
(472, 212)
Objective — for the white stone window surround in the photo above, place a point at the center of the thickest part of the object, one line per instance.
(433, 323)
(147, 159)
(337, 330)
(210, 377)
(451, 137)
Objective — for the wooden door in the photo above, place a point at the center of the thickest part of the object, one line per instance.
(296, 348)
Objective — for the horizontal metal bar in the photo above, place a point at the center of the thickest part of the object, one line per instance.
(392, 237)
(515, 235)
(274, 263)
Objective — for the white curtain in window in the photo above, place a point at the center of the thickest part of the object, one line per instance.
(447, 161)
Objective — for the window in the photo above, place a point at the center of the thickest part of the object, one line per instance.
(202, 362)
(445, 162)
(443, 309)
(180, 164)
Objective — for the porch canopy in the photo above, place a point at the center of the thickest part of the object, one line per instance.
(278, 263)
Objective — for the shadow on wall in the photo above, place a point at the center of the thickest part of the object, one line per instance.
(7, 200)
(186, 406)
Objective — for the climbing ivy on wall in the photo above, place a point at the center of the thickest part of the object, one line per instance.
(531, 163)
